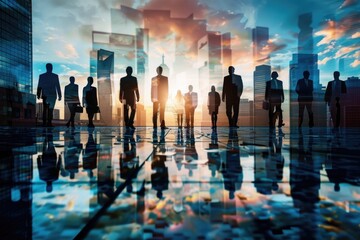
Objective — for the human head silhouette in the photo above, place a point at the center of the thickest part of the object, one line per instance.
(49, 67)
(231, 70)
(178, 93)
(274, 75)
(336, 75)
(129, 71)
(231, 194)
(306, 74)
(72, 79)
(190, 88)
(90, 80)
(159, 70)
(213, 88)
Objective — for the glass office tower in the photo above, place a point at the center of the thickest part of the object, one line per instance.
(17, 103)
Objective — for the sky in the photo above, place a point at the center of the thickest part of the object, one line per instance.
(62, 32)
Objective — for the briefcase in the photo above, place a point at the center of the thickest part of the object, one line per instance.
(79, 109)
(265, 105)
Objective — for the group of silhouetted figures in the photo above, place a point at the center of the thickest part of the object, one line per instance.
(49, 89)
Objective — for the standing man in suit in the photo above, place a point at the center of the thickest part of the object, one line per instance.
(71, 93)
(47, 89)
(334, 91)
(191, 102)
(159, 95)
(274, 94)
(128, 90)
(304, 89)
(232, 90)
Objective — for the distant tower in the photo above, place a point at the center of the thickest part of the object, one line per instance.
(261, 75)
(166, 70)
(305, 39)
(260, 38)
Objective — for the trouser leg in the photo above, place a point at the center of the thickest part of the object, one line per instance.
(155, 113)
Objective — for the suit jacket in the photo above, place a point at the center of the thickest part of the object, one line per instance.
(48, 86)
(71, 93)
(305, 92)
(232, 87)
(159, 89)
(213, 101)
(274, 95)
(128, 90)
(90, 97)
(329, 90)
(191, 100)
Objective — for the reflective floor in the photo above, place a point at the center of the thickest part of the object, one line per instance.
(112, 183)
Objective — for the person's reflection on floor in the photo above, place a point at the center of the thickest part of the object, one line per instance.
(49, 162)
(160, 177)
(213, 154)
(190, 151)
(72, 150)
(90, 154)
(179, 148)
(232, 169)
(341, 164)
(275, 162)
(128, 159)
(305, 185)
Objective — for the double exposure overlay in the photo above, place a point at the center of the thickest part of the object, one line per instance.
(169, 119)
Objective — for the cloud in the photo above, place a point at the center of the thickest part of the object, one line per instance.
(69, 52)
(356, 35)
(348, 3)
(344, 51)
(355, 63)
(324, 61)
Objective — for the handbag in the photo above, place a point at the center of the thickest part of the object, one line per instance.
(79, 109)
(97, 109)
(265, 105)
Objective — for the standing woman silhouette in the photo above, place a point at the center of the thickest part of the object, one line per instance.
(90, 101)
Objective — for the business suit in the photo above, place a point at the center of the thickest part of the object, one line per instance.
(304, 89)
(191, 102)
(71, 93)
(159, 95)
(274, 94)
(334, 90)
(128, 90)
(232, 91)
(91, 102)
(48, 88)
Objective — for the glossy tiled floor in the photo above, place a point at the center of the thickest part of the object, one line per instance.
(191, 184)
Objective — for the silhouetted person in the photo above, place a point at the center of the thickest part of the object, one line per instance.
(232, 170)
(191, 102)
(90, 154)
(334, 90)
(128, 159)
(49, 163)
(274, 94)
(305, 184)
(232, 90)
(129, 95)
(159, 95)
(160, 177)
(190, 151)
(72, 100)
(48, 89)
(90, 101)
(213, 154)
(179, 105)
(304, 89)
(213, 105)
(72, 154)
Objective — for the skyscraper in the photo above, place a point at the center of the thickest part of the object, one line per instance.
(306, 60)
(260, 38)
(261, 75)
(105, 72)
(18, 103)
